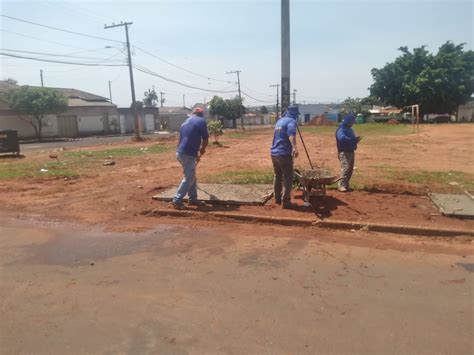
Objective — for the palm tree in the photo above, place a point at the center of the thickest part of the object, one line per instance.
(151, 98)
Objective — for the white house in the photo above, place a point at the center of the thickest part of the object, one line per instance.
(87, 114)
(173, 117)
(309, 111)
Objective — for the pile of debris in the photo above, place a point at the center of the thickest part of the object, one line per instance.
(392, 121)
(318, 173)
(320, 121)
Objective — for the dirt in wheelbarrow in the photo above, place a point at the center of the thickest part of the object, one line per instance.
(316, 173)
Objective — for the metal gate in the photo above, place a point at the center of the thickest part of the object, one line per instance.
(67, 126)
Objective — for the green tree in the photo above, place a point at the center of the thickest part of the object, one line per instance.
(233, 109)
(33, 104)
(11, 81)
(215, 129)
(218, 106)
(438, 83)
(264, 110)
(351, 105)
(229, 108)
(151, 98)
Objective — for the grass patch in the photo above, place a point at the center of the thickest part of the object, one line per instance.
(238, 135)
(23, 170)
(119, 152)
(439, 177)
(363, 129)
(242, 177)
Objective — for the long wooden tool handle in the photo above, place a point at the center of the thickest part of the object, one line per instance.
(304, 146)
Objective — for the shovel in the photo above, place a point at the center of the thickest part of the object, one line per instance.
(304, 146)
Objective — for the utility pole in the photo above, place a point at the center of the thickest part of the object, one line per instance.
(161, 99)
(240, 97)
(184, 100)
(285, 54)
(294, 96)
(110, 91)
(41, 75)
(278, 98)
(132, 84)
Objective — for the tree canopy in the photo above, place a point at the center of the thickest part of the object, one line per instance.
(32, 104)
(229, 108)
(151, 98)
(264, 110)
(218, 106)
(439, 82)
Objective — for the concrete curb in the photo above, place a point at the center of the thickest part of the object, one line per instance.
(329, 224)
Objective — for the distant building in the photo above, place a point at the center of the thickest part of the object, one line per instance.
(173, 117)
(309, 111)
(87, 114)
(148, 119)
(466, 112)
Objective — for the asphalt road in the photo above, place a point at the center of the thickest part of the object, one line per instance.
(83, 142)
(176, 290)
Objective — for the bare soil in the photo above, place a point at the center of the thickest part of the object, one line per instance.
(116, 196)
(320, 121)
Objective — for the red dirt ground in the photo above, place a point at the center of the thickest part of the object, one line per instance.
(115, 196)
(320, 121)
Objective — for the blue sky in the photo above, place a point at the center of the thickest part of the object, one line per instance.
(334, 44)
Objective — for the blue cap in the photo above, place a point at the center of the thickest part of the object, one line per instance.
(348, 119)
(293, 109)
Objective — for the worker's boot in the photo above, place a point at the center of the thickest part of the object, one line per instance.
(196, 203)
(287, 205)
(178, 205)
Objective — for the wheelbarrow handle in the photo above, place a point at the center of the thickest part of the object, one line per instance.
(304, 146)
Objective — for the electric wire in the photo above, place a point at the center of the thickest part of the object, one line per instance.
(60, 29)
(61, 62)
(41, 39)
(149, 72)
(50, 54)
(255, 99)
(179, 67)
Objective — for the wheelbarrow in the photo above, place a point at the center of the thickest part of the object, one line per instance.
(316, 179)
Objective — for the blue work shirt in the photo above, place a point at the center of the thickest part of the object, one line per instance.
(192, 131)
(345, 137)
(284, 128)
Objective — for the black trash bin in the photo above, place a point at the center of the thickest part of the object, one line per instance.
(9, 142)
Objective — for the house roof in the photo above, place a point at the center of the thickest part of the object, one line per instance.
(76, 98)
(83, 103)
(175, 110)
(79, 94)
(5, 86)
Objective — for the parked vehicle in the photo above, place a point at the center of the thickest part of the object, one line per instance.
(440, 119)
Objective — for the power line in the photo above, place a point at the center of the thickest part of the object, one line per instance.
(149, 72)
(50, 54)
(179, 67)
(77, 8)
(253, 98)
(41, 39)
(60, 29)
(77, 69)
(257, 92)
(62, 62)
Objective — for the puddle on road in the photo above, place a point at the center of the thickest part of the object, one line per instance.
(74, 247)
(466, 266)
